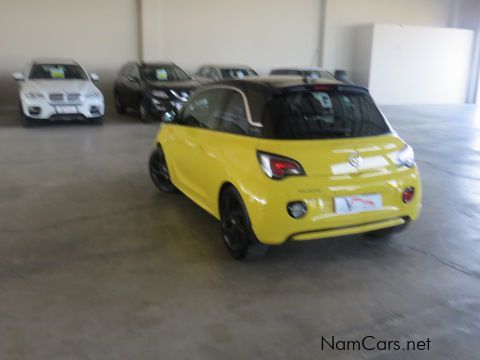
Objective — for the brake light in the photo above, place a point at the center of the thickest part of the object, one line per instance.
(322, 87)
(278, 167)
(408, 195)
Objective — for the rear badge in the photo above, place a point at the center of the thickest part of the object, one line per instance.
(355, 160)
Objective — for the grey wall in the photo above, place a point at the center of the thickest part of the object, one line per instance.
(101, 35)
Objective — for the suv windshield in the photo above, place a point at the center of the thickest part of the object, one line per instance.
(325, 114)
(57, 72)
(163, 73)
(235, 73)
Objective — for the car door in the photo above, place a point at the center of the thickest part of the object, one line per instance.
(133, 86)
(229, 147)
(121, 83)
(190, 165)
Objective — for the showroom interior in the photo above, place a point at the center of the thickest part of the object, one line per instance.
(97, 263)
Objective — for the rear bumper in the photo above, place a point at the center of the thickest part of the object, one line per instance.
(350, 230)
(273, 225)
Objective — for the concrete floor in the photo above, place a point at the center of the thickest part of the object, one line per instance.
(95, 263)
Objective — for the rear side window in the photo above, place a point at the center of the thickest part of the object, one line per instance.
(325, 114)
(233, 118)
(217, 109)
(203, 109)
(204, 71)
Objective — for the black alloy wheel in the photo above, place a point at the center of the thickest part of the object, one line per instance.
(237, 232)
(144, 109)
(158, 170)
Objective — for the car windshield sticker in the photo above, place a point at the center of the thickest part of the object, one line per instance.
(56, 72)
(161, 74)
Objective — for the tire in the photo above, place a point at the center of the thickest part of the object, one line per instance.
(237, 233)
(157, 167)
(119, 105)
(97, 121)
(28, 121)
(144, 109)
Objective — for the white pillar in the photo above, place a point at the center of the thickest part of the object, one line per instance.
(151, 30)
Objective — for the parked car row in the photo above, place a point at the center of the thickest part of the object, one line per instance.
(289, 158)
(52, 89)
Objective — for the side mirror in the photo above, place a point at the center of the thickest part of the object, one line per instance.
(169, 117)
(18, 76)
(94, 77)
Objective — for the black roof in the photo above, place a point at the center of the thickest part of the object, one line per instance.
(275, 83)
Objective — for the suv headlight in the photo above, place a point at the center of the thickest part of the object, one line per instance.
(34, 95)
(405, 157)
(93, 94)
(160, 94)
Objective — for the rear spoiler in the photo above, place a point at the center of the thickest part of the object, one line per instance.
(325, 87)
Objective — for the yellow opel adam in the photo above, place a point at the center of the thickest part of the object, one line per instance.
(285, 158)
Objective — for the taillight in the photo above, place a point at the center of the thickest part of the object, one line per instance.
(278, 167)
(408, 195)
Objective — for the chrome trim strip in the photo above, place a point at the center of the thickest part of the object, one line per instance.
(178, 96)
(244, 97)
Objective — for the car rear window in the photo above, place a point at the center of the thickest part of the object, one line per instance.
(324, 114)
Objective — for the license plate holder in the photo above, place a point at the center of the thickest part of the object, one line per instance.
(358, 203)
(66, 110)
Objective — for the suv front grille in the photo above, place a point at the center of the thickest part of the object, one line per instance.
(57, 97)
(73, 97)
(60, 98)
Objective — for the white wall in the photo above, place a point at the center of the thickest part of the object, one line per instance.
(263, 34)
(419, 65)
(343, 17)
(100, 34)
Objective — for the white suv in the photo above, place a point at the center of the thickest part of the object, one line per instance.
(59, 90)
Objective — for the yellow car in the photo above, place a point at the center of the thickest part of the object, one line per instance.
(286, 158)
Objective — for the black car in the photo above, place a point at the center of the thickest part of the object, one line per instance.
(152, 88)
